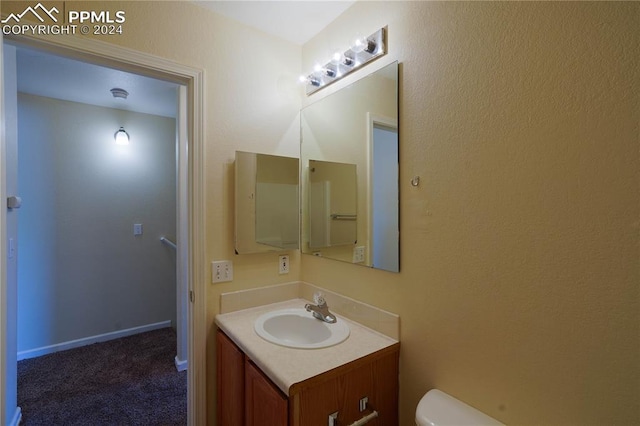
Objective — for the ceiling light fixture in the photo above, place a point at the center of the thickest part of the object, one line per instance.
(119, 93)
(121, 136)
(361, 53)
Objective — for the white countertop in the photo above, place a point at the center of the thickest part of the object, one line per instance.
(288, 366)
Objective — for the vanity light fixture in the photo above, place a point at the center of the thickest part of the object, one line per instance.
(121, 137)
(363, 51)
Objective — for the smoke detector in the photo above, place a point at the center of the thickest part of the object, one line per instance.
(119, 93)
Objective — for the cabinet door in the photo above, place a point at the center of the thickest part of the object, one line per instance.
(386, 386)
(230, 371)
(264, 403)
(376, 380)
(340, 394)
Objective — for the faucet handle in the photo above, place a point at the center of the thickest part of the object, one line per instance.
(318, 298)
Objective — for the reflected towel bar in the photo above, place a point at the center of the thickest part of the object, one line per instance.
(337, 216)
(168, 242)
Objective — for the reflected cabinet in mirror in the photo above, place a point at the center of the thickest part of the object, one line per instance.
(349, 154)
(267, 203)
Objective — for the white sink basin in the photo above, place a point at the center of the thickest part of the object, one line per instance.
(297, 328)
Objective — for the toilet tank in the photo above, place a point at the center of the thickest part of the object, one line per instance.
(437, 408)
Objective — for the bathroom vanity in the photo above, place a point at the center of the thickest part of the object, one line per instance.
(262, 383)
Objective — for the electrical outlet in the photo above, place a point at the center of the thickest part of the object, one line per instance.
(137, 229)
(283, 264)
(358, 254)
(221, 271)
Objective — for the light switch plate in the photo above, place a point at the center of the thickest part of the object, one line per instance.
(358, 254)
(221, 271)
(283, 264)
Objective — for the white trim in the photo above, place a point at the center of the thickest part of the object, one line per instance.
(17, 417)
(99, 52)
(181, 365)
(44, 350)
(182, 228)
(3, 254)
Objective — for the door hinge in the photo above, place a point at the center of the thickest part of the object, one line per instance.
(192, 297)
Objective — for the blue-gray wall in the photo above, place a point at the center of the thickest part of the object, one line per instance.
(82, 272)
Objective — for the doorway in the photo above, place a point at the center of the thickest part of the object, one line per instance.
(383, 192)
(92, 265)
(191, 220)
(385, 187)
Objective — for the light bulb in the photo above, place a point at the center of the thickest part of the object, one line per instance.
(121, 137)
(359, 45)
(311, 79)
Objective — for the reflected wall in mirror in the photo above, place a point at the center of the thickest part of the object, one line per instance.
(353, 133)
(267, 203)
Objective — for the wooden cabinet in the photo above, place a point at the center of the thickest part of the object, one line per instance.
(311, 402)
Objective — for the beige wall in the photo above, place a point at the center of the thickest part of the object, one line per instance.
(518, 290)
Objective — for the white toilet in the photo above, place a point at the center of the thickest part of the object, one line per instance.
(436, 408)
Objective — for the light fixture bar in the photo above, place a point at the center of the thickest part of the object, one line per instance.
(361, 53)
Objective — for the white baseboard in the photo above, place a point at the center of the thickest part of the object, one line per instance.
(32, 353)
(180, 365)
(17, 417)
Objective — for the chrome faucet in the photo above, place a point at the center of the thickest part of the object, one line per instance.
(320, 310)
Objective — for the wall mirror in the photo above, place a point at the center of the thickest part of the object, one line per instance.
(349, 155)
(266, 203)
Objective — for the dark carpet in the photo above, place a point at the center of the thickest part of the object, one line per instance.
(127, 381)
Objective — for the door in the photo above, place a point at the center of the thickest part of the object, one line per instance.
(230, 376)
(264, 403)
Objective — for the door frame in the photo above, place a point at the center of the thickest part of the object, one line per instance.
(129, 60)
